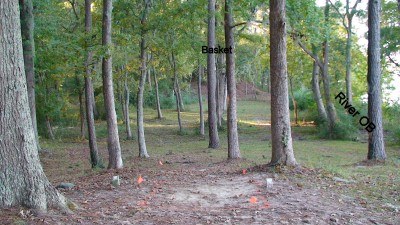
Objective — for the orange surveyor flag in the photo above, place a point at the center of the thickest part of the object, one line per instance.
(244, 171)
(253, 200)
(140, 179)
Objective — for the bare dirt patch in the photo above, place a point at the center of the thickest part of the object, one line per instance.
(206, 192)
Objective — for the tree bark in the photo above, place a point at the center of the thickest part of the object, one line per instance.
(317, 93)
(113, 145)
(212, 80)
(28, 45)
(23, 182)
(233, 137)
(376, 145)
(282, 148)
(158, 105)
(201, 112)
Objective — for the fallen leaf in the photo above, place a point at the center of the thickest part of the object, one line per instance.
(140, 179)
(159, 162)
(253, 200)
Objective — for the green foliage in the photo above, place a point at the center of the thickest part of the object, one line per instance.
(346, 128)
(304, 99)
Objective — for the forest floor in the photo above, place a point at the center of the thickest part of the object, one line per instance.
(184, 182)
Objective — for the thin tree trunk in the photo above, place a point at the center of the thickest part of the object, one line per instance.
(200, 75)
(28, 45)
(282, 148)
(23, 182)
(317, 93)
(349, 93)
(295, 113)
(50, 133)
(82, 115)
(211, 76)
(176, 88)
(233, 137)
(113, 145)
(143, 68)
(159, 113)
(376, 145)
(89, 93)
(149, 72)
(140, 124)
(126, 109)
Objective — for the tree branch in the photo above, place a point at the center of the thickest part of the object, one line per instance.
(307, 51)
(340, 14)
(245, 23)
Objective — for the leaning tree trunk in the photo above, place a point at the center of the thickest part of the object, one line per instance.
(282, 148)
(201, 112)
(233, 137)
(376, 145)
(23, 182)
(94, 152)
(113, 145)
(317, 93)
(28, 45)
(212, 80)
(158, 105)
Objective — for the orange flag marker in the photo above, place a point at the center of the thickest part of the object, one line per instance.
(253, 200)
(244, 171)
(140, 179)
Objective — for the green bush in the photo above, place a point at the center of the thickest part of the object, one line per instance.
(346, 127)
(304, 99)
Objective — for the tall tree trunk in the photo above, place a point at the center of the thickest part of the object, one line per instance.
(376, 145)
(89, 94)
(126, 108)
(28, 45)
(233, 139)
(282, 148)
(23, 182)
(176, 90)
(140, 124)
(212, 80)
(317, 93)
(221, 83)
(159, 112)
(113, 145)
(326, 80)
(143, 68)
(201, 112)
